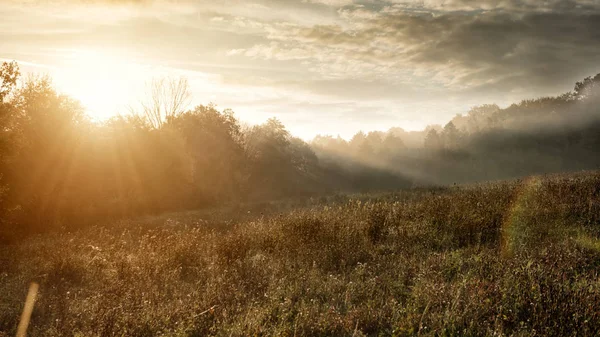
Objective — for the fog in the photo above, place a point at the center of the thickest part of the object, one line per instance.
(544, 135)
(59, 168)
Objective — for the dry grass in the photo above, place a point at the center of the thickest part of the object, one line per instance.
(507, 259)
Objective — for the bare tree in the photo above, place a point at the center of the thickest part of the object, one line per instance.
(166, 98)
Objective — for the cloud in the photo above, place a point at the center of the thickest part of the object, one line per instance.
(491, 50)
(500, 5)
(406, 57)
(334, 3)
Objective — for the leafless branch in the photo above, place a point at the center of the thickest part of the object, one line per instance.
(166, 98)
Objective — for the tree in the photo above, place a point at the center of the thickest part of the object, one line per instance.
(450, 136)
(212, 149)
(330, 145)
(373, 141)
(479, 117)
(359, 145)
(278, 164)
(166, 98)
(588, 88)
(303, 157)
(46, 131)
(9, 74)
(267, 148)
(392, 144)
(432, 140)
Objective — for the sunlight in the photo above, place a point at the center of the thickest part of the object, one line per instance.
(103, 82)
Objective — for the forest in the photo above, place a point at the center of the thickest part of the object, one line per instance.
(59, 169)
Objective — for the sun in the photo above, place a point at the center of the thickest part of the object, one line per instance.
(104, 83)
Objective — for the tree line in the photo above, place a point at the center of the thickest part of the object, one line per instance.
(544, 135)
(58, 168)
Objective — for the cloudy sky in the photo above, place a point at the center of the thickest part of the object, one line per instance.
(320, 66)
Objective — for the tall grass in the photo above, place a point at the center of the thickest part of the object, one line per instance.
(505, 259)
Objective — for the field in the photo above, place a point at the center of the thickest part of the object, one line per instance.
(516, 258)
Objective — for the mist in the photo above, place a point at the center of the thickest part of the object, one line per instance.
(59, 168)
(534, 136)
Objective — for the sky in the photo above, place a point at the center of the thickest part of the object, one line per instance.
(320, 66)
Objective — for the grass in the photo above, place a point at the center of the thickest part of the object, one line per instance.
(516, 258)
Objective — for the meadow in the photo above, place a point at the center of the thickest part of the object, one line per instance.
(512, 258)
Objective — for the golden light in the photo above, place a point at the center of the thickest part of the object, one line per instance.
(104, 83)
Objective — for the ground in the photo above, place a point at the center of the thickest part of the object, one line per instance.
(511, 258)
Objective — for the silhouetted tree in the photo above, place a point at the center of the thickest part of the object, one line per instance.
(166, 98)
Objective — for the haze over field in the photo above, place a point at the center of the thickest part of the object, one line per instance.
(320, 66)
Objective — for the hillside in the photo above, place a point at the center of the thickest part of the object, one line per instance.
(509, 258)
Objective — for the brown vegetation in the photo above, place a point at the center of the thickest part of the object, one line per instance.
(80, 204)
(508, 259)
